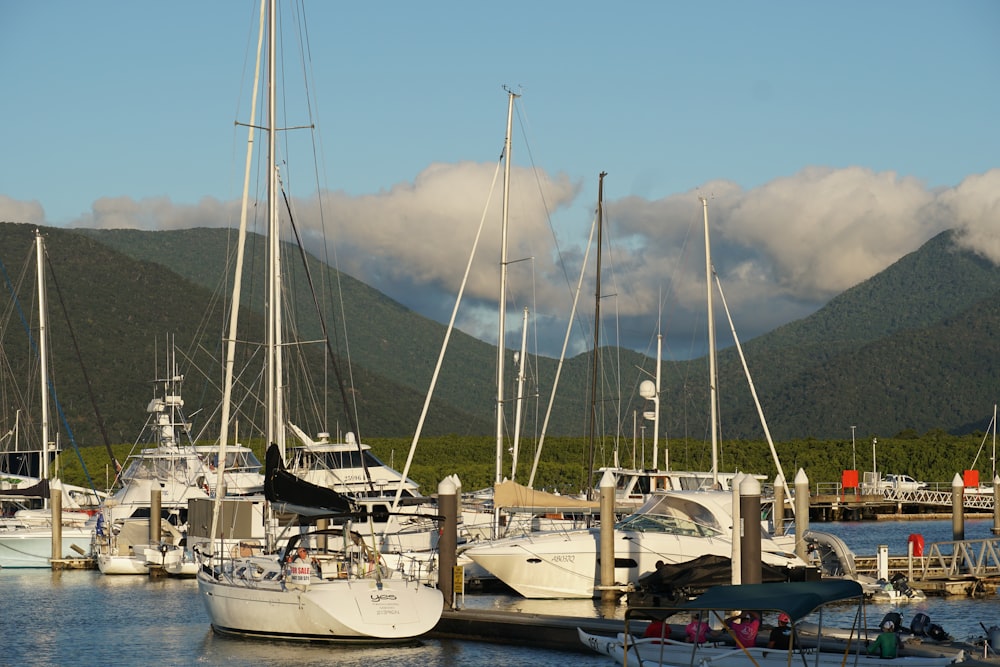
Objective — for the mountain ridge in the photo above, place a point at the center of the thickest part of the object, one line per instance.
(907, 349)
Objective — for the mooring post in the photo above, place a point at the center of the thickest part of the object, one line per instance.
(750, 565)
(801, 513)
(155, 505)
(448, 542)
(736, 562)
(55, 503)
(957, 508)
(607, 488)
(778, 510)
(996, 505)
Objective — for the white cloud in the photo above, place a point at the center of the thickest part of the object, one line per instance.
(974, 206)
(782, 249)
(12, 210)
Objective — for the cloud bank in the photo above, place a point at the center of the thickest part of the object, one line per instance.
(781, 250)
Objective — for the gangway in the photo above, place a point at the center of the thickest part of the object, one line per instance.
(976, 558)
(971, 501)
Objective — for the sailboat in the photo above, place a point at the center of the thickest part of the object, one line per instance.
(26, 538)
(325, 584)
(673, 526)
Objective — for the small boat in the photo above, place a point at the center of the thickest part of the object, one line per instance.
(835, 559)
(796, 599)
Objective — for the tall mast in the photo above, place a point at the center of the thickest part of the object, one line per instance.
(656, 415)
(712, 379)
(501, 337)
(521, 362)
(994, 442)
(43, 353)
(597, 335)
(230, 360)
(275, 371)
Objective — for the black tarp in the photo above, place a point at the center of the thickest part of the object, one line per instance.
(281, 486)
(677, 581)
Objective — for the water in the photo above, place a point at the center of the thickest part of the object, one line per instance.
(961, 617)
(85, 618)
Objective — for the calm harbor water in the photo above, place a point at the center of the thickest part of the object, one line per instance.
(85, 618)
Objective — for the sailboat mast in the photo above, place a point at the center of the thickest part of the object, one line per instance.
(43, 353)
(994, 442)
(521, 362)
(501, 337)
(712, 372)
(275, 424)
(656, 415)
(597, 335)
(230, 360)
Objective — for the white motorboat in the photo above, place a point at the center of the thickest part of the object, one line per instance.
(31, 546)
(129, 549)
(672, 527)
(176, 471)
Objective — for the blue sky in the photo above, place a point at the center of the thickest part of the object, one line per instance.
(830, 138)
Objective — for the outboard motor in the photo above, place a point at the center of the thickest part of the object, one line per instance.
(920, 624)
(937, 633)
(994, 637)
(902, 584)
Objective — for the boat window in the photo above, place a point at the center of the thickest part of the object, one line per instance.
(675, 515)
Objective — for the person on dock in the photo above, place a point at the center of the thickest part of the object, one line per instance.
(781, 635)
(696, 630)
(744, 628)
(886, 645)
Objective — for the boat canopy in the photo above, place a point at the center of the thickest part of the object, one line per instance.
(797, 598)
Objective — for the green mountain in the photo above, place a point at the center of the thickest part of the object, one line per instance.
(908, 349)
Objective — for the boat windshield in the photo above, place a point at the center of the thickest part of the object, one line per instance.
(675, 515)
(308, 459)
(156, 468)
(242, 460)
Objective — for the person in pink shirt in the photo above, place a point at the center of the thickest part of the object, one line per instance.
(744, 627)
(696, 630)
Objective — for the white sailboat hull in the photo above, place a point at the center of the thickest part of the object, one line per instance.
(338, 610)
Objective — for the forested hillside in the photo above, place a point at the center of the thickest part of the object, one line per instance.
(911, 349)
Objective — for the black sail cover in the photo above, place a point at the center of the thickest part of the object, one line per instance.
(281, 486)
(39, 490)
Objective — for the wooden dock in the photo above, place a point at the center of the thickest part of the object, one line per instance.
(73, 564)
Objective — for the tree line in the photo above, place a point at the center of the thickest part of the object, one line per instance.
(934, 457)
